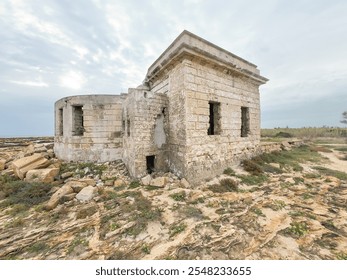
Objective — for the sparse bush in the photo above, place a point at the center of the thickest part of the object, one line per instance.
(229, 172)
(179, 196)
(146, 249)
(297, 229)
(192, 212)
(86, 212)
(134, 184)
(25, 193)
(329, 172)
(252, 167)
(225, 185)
(282, 134)
(177, 228)
(257, 211)
(253, 180)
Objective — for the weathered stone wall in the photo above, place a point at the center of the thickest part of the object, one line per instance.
(147, 114)
(208, 155)
(101, 137)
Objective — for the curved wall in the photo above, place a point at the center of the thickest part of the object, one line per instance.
(89, 128)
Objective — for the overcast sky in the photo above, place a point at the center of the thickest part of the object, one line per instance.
(52, 49)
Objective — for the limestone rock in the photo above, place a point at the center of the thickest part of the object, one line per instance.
(66, 175)
(23, 165)
(185, 183)
(42, 175)
(67, 197)
(55, 198)
(88, 181)
(86, 194)
(146, 180)
(158, 182)
(118, 183)
(77, 186)
(109, 183)
(40, 148)
(2, 164)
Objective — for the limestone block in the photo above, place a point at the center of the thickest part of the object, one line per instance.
(118, 183)
(55, 198)
(159, 182)
(2, 164)
(146, 180)
(23, 165)
(66, 175)
(77, 186)
(67, 197)
(185, 183)
(86, 194)
(42, 175)
(40, 148)
(88, 181)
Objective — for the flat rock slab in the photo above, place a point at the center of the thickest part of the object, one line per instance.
(159, 182)
(45, 175)
(21, 166)
(86, 194)
(55, 198)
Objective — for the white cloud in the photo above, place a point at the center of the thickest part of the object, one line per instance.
(30, 83)
(72, 80)
(25, 21)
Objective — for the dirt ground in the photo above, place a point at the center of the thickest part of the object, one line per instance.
(288, 212)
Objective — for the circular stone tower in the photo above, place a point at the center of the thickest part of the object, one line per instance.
(88, 128)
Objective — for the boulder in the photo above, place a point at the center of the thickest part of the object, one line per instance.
(57, 196)
(2, 164)
(29, 150)
(67, 197)
(40, 148)
(77, 186)
(185, 183)
(86, 194)
(42, 175)
(21, 166)
(66, 175)
(109, 183)
(146, 180)
(88, 181)
(118, 183)
(158, 182)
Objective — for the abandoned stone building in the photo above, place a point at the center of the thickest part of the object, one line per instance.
(196, 113)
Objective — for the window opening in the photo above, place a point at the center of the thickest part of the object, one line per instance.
(78, 126)
(244, 121)
(60, 122)
(214, 119)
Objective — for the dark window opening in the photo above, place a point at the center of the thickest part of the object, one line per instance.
(60, 122)
(123, 126)
(164, 111)
(77, 120)
(244, 121)
(214, 120)
(150, 164)
(128, 127)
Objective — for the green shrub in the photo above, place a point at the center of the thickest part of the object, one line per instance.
(179, 196)
(252, 167)
(225, 185)
(229, 172)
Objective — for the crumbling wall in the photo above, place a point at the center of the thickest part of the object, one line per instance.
(89, 128)
(147, 114)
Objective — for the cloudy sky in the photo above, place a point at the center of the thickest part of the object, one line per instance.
(51, 49)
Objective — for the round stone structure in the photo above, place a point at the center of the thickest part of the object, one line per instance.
(88, 128)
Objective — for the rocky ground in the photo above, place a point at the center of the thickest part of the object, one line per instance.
(283, 205)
